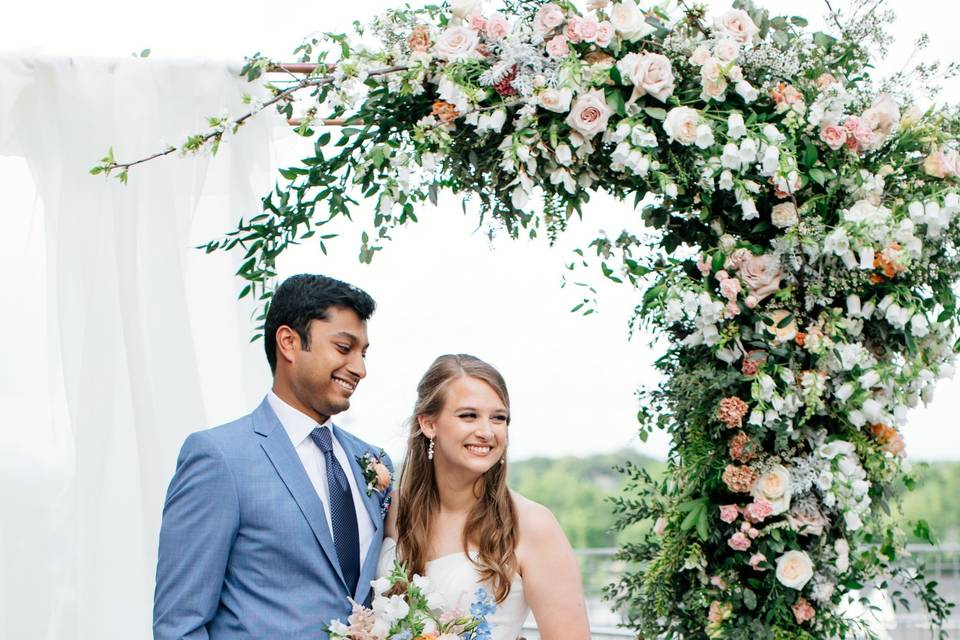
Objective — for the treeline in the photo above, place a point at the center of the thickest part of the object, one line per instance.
(575, 489)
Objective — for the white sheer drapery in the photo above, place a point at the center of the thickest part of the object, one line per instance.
(119, 338)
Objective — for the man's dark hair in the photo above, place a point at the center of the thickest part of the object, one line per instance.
(305, 297)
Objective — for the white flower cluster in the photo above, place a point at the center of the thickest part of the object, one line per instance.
(843, 483)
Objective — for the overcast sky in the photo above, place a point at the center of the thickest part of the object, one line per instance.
(441, 285)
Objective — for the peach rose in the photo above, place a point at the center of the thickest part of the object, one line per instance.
(383, 475)
(774, 487)
(803, 610)
(936, 165)
(681, 125)
(882, 116)
(761, 275)
(782, 334)
(556, 100)
(589, 114)
(649, 73)
(784, 215)
(419, 40)
(794, 569)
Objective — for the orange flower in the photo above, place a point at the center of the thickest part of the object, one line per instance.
(419, 40)
(445, 112)
(800, 339)
(889, 438)
(731, 411)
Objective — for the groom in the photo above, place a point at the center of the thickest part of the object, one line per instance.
(273, 521)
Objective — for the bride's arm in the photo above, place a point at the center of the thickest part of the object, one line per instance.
(551, 575)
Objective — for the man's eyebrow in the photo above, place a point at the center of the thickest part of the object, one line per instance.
(352, 338)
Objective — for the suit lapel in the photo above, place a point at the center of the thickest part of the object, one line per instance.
(276, 444)
(371, 502)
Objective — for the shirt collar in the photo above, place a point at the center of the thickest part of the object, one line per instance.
(297, 424)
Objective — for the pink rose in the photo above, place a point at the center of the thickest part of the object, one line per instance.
(803, 610)
(549, 17)
(722, 275)
(729, 513)
(755, 561)
(557, 46)
(758, 510)
(571, 30)
(588, 28)
(605, 33)
(730, 289)
(864, 135)
(761, 275)
(833, 136)
(477, 22)
(851, 123)
(589, 114)
(739, 542)
(751, 301)
(497, 27)
(704, 266)
(732, 309)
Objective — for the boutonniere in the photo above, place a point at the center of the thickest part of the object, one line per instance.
(376, 473)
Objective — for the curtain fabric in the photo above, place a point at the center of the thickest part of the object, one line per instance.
(119, 337)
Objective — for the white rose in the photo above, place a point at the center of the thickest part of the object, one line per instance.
(457, 43)
(794, 569)
(774, 486)
(681, 125)
(556, 100)
(629, 21)
(649, 73)
(463, 9)
(736, 24)
(700, 55)
(881, 117)
(726, 49)
(589, 114)
(784, 215)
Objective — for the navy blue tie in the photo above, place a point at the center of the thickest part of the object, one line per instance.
(343, 514)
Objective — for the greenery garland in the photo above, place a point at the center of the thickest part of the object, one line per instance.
(800, 252)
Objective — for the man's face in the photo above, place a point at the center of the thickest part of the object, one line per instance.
(325, 376)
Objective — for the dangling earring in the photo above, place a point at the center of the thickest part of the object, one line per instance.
(430, 450)
(503, 460)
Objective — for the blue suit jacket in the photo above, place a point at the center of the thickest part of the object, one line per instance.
(245, 550)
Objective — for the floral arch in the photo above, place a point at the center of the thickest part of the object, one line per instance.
(800, 253)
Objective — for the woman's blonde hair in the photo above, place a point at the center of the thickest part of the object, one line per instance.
(492, 523)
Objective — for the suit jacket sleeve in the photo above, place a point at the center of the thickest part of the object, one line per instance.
(200, 520)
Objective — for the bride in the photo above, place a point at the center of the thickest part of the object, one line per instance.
(455, 520)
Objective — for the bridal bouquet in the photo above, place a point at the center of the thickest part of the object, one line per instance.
(800, 252)
(416, 613)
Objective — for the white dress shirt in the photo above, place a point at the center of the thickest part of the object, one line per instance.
(298, 426)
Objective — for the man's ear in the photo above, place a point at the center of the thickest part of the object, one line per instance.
(288, 344)
(427, 426)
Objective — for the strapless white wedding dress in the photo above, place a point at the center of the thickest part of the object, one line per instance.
(456, 579)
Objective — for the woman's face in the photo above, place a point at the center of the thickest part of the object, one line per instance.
(470, 432)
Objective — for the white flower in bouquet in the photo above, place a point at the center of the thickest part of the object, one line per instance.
(589, 114)
(774, 486)
(681, 125)
(457, 43)
(842, 548)
(649, 73)
(784, 215)
(736, 128)
(629, 21)
(704, 137)
(390, 608)
(746, 90)
(726, 50)
(882, 117)
(556, 100)
(730, 158)
(748, 151)
(463, 9)
(737, 25)
(726, 180)
(794, 569)
(380, 586)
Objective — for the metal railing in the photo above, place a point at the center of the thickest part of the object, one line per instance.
(599, 568)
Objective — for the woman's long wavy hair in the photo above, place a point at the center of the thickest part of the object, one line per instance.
(491, 525)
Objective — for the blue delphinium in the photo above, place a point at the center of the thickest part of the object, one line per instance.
(482, 607)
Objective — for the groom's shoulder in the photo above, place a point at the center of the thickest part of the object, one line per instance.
(228, 435)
